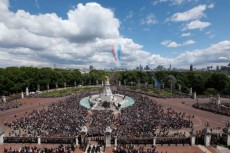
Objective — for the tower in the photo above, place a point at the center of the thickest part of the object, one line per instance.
(191, 67)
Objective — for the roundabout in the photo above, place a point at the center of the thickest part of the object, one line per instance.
(106, 100)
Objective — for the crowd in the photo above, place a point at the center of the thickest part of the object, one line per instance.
(223, 109)
(62, 119)
(145, 115)
(9, 105)
(27, 149)
(132, 149)
(65, 119)
(100, 120)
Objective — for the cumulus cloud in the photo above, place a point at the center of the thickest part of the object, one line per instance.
(173, 44)
(197, 25)
(207, 56)
(84, 38)
(192, 14)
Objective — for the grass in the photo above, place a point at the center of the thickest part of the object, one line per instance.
(152, 92)
(67, 91)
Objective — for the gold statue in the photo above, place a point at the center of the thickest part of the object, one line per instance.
(106, 78)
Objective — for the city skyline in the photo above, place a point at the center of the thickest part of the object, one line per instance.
(76, 34)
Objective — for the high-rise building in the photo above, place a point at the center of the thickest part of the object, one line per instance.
(191, 67)
(91, 67)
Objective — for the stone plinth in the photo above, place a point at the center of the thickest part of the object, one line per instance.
(4, 99)
(27, 91)
(108, 132)
(1, 138)
(84, 132)
(194, 95)
(154, 141)
(39, 140)
(22, 95)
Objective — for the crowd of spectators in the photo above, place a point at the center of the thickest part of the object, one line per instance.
(223, 108)
(9, 105)
(100, 120)
(27, 149)
(145, 115)
(132, 149)
(65, 119)
(62, 119)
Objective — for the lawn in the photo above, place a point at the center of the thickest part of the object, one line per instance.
(67, 91)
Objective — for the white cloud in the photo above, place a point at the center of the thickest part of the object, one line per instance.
(84, 38)
(192, 14)
(172, 2)
(197, 25)
(149, 20)
(207, 56)
(210, 6)
(173, 44)
(186, 34)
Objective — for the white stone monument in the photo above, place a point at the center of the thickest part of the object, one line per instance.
(76, 141)
(194, 95)
(1, 137)
(207, 135)
(39, 140)
(179, 87)
(107, 93)
(38, 87)
(193, 137)
(27, 91)
(4, 99)
(218, 100)
(47, 86)
(119, 83)
(56, 85)
(75, 84)
(154, 141)
(84, 132)
(190, 92)
(108, 132)
(22, 95)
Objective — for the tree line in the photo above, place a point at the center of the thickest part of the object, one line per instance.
(16, 79)
(201, 82)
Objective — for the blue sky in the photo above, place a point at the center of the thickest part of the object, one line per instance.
(153, 32)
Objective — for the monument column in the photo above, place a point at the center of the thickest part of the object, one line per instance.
(190, 92)
(84, 132)
(76, 141)
(39, 140)
(207, 135)
(4, 99)
(226, 134)
(194, 95)
(218, 100)
(27, 91)
(22, 95)
(108, 132)
(1, 138)
(180, 88)
(193, 137)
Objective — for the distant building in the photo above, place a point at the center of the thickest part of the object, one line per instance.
(159, 68)
(217, 68)
(141, 67)
(170, 67)
(191, 67)
(147, 68)
(91, 67)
